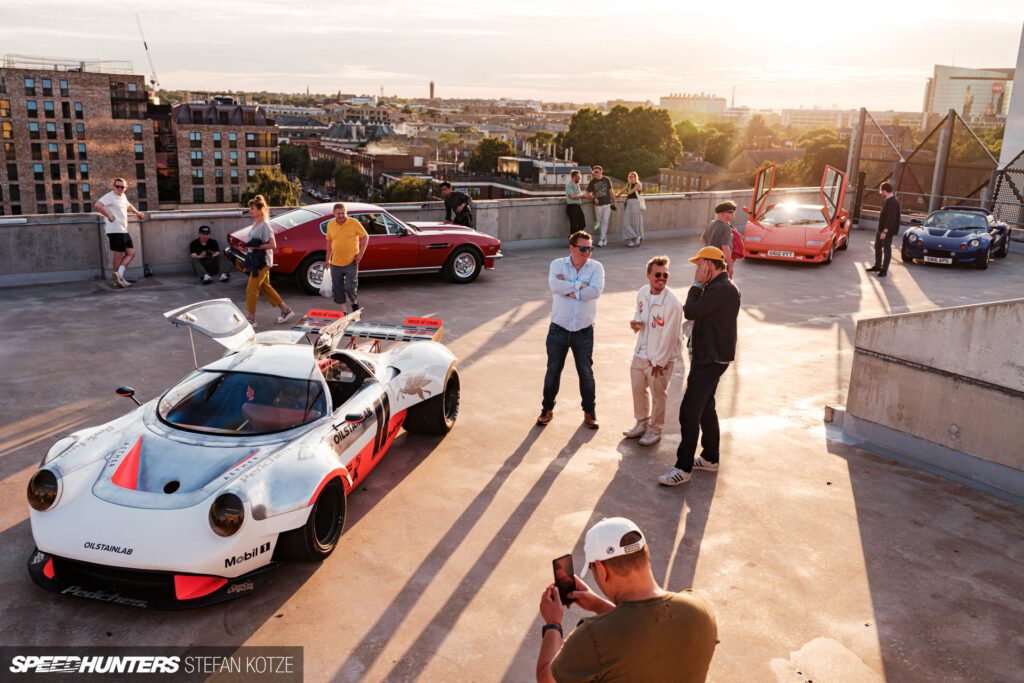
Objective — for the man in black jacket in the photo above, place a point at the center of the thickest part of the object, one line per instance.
(888, 227)
(456, 206)
(713, 304)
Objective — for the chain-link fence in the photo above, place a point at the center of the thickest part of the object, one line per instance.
(1008, 197)
(879, 155)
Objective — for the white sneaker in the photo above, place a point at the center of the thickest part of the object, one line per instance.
(285, 317)
(631, 243)
(121, 281)
(115, 281)
(701, 464)
(207, 279)
(674, 477)
(224, 277)
(602, 243)
(649, 439)
(639, 429)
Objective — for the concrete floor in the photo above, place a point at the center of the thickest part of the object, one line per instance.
(824, 562)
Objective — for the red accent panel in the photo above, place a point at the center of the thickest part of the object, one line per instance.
(48, 569)
(338, 472)
(127, 474)
(191, 587)
(423, 322)
(242, 460)
(322, 313)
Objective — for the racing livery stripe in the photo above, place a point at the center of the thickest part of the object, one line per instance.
(242, 460)
(337, 472)
(48, 569)
(127, 474)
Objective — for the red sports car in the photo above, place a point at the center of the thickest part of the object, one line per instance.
(395, 247)
(805, 233)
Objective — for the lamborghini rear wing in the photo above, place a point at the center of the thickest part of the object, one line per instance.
(331, 326)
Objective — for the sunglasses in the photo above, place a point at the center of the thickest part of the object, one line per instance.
(585, 249)
(118, 187)
(660, 276)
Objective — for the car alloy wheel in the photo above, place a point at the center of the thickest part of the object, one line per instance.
(464, 265)
(315, 274)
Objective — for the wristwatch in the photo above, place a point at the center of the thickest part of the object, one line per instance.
(551, 627)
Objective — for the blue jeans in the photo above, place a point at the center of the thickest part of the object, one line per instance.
(559, 341)
(344, 281)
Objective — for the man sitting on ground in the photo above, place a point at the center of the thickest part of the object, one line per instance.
(205, 253)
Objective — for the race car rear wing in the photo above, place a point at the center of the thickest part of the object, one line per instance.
(332, 326)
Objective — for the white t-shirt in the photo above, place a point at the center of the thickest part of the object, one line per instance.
(116, 206)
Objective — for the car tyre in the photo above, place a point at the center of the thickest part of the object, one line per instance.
(983, 263)
(846, 242)
(318, 537)
(831, 253)
(905, 257)
(1005, 251)
(437, 414)
(310, 272)
(464, 265)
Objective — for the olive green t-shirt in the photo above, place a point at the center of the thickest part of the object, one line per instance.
(669, 638)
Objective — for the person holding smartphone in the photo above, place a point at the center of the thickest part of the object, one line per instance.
(639, 632)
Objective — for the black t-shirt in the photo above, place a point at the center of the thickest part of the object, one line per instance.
(602, 190)
(210, 248)
(453, 202)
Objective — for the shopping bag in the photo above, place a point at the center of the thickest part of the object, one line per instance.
(326, 287)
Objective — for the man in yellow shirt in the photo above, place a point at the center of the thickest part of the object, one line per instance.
(347, 240)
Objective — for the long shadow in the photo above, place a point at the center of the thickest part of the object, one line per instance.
(943, 565)
(369, 649)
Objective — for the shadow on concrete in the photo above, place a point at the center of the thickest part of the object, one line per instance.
(943, 564)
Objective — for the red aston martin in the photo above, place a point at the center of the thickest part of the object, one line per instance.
(396, 247)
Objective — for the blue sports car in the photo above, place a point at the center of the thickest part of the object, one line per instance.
(956, 235)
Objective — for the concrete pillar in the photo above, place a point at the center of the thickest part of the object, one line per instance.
(853, 160)
(941, 161)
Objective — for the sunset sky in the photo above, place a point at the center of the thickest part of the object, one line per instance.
(775, 54)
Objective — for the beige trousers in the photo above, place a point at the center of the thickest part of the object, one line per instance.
(648, 389)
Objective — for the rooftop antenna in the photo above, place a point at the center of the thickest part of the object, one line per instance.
(153, 80)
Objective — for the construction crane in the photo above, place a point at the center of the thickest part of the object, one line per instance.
(153, 80)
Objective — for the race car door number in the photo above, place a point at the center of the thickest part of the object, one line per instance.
(776, 252)
(937, 259)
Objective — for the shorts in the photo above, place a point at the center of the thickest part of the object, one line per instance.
(120, 241)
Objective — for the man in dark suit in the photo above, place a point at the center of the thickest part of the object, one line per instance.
(888, 227)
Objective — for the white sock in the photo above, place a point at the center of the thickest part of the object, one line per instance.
(120, 271)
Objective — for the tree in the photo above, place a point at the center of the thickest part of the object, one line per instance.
(690, 137)
(348, 180)
(644, 162)
(275, 187)
(320, 170)
(294, 160)
(406, 189)
(484, 158)
(608, 139)
(719, 148)
(823, 148)
(758, 135)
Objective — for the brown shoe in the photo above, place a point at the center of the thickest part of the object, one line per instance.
(545, 417)
(590, 419)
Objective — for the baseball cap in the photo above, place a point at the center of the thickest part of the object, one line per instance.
(204, 229)
(709, 252)
(604, 541)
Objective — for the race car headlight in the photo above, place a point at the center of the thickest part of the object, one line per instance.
(975, 243)
(815, 243)
(42, 490)
(227, 514)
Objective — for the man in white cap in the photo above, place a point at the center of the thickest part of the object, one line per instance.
(640, 633)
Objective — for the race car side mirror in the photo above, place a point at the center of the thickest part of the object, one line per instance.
(127, 392)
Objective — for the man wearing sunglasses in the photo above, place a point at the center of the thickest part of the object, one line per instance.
(576, 282)
(114, 206)
(657, 323)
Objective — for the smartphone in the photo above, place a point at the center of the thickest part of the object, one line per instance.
(565, 578)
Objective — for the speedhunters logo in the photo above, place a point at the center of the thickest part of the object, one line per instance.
(187, 664)
(48, 664)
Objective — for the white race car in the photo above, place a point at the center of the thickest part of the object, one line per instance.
(193, 498)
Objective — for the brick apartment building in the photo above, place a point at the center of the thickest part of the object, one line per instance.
(67, 130)
(690, 176)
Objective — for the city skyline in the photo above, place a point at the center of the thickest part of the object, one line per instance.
(788, 55)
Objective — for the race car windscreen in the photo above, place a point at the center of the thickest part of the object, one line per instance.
(956, 220)
(794, 214)
(242, 404)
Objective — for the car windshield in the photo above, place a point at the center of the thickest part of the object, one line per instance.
(794, 214)
(293, 218)
(241, 404)
(956, 220)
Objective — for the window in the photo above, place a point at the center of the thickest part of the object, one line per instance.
(71, 172)
(5, 108)
(37, 171)
(234, 176)
(9, 151)
(133, 87)
(32, 108)
(139, 153)
(235, 194)
(220, 195)
(8, 130)
(41, 208)
(250, 157)
(218, 176)
(198, 195)
(83, 171)
(54, 171)
(216, 139)
(15, 209)
(233, 156)
(33, 130)
(140, 171)
(140, 190)
(73, 191)
(69, 150)
(75, 208)
(82, 153)
(37, 151)
(232, 140)
(63, 88)
(40, 193)
(79, 113)
(68, 134)
(65, 110)
(218, 158)
(250, 173)
(143, 206)
(86, 192)
(58, 191)
(12, 171)
(58, 208)
(197, 176)
(250, 139)
(51, 131)
(195, 139)
(53, 150)
(80, 131)
(137, 131)
(15, 192)
(47, 87)
(48, 109)
(30, 86)
(197, 158)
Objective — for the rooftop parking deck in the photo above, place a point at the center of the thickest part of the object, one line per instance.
(824, 562)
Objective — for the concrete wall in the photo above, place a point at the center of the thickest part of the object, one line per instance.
(52, 248)
(951, 380)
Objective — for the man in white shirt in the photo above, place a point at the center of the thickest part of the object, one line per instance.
(114, 206)
(576, 282)
(657, 321)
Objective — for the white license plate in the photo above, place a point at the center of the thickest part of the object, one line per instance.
(776, 252)
(937, 259)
